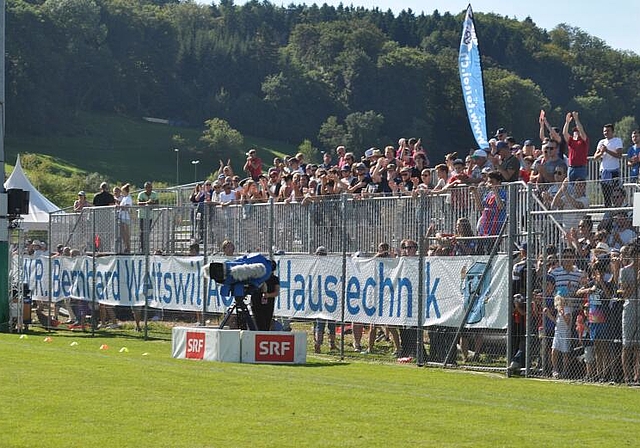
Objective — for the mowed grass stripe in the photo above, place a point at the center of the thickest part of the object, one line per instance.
(81, 396)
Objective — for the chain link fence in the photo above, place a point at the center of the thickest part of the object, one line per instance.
(446, 226)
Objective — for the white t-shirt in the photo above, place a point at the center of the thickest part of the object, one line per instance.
(608, 162)
(125, 203)
(227, 197)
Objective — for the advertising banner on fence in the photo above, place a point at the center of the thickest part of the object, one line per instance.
(378, 290)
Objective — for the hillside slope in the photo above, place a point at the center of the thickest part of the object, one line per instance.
(124, 149)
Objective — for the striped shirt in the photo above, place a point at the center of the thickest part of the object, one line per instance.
(492, 217)
(567, 283)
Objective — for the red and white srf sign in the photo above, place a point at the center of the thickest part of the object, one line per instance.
(195, 345)
(275, 347)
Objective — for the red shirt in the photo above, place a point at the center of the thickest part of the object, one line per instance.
(578, 150)
(254, 168)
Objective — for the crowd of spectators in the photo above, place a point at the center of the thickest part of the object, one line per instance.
(557, 166)
(582, 283)
(584, 314)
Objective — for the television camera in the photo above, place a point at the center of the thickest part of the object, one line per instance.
(239, 278)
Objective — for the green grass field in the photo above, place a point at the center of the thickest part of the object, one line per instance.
(60, 395)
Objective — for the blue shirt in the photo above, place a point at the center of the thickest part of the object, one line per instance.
(635, 168)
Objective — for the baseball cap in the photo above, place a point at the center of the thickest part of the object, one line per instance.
(501, 131)
(81, 193)
(602, 247)
(479, 153)
(502, 145)
(527, 143)
(346, 168)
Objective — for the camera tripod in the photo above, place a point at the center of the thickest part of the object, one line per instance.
(243, 317)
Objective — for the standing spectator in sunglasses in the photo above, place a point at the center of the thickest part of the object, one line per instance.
(544, 168)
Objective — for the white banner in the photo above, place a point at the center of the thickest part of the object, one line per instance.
(380, 290)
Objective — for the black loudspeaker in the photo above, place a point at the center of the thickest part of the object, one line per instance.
(17, 202)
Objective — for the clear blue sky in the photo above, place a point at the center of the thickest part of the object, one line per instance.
(617, 22)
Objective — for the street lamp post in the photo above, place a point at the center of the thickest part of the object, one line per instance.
(177, 151)
(195, 169)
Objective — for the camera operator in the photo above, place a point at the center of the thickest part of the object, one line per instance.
(263, 300)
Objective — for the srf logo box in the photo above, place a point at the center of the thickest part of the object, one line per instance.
(195, 345)
(274, 347)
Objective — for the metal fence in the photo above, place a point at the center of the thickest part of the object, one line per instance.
(351, 225)
(342, 224)
(354, 224)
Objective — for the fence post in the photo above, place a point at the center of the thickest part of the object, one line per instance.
(50, 294)
(511, 215)
(343, 292)
(205, 260)
(308, 241)
(271, 226)
(93, 286)
(147, 275)
(530, 277)
(421, 296)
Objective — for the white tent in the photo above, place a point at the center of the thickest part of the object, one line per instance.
(39, 205)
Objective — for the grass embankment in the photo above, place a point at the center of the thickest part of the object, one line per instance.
(123, 149)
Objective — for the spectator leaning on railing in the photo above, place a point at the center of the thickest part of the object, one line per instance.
(103, 198)
(146, 198)
(492, 205)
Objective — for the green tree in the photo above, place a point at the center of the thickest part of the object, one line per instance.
(35, 71)
(220, 137)
(403, 102)
(299, 104)
(363, 129)
(594, 112)
(311, 153)
(84, 36)
(513, 103)
(332, 133)
(624, 127)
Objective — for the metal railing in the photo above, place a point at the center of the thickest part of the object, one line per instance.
(349, 224)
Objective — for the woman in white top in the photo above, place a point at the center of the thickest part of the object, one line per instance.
(117, 194)
(125, 218)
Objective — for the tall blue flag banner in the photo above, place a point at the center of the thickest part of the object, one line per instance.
(471, 80)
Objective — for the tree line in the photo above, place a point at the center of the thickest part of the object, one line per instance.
(319, 74)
